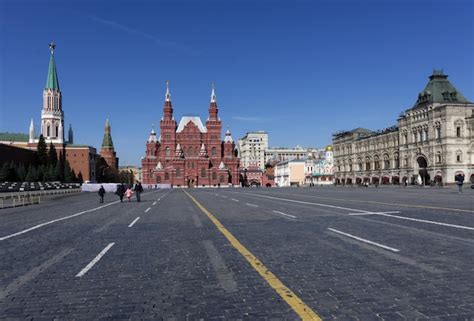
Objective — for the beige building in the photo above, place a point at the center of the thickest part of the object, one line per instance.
(290, 173)
(252, 148)
(432, 142)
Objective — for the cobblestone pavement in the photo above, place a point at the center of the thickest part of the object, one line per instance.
(347, 253)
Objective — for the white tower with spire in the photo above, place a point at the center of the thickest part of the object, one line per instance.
(52, 116)
(31, 139)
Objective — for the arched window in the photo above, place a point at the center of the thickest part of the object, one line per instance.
(213, 151)
(386, 162)
(214, 175)
(458, 156)
(57, 131)
(178, 172)
(167, 176)
(168, 151)
(190, 151)
(158, 179)
(48, 131)
(203, 172)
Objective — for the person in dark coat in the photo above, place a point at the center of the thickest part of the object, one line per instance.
(459, 178)
(138, 189)
(120, 191)
(101, 193)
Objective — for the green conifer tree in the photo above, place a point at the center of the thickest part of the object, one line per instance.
(58, 176)
(74, 177)
(42, 151)
(52, 155)
(80, 179)
(4, 172)
(29, 174)
(21, 172)
(67, 172)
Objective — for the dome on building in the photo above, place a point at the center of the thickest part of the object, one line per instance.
(329, 148)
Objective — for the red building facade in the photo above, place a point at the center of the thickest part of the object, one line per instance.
(190, 154)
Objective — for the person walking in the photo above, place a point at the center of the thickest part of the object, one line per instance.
(459, 178)
(120, 191)
(129, 193)
(101, 193)
(138, 189)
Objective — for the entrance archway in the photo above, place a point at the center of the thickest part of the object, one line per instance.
(422, 170)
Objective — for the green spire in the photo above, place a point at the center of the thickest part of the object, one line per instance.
(107, 142)
(52, 81)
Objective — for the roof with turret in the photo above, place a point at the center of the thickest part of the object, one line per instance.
(439, 90)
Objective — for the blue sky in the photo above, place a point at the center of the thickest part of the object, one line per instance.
(300, 70)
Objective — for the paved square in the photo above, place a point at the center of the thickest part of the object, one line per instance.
(342, 253)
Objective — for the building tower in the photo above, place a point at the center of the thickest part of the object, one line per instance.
(214, 128)
(168, 127)
(52, 116)
(31, 139)
(108, 152)
(70, 135)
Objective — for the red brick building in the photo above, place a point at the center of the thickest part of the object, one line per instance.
(190, 154)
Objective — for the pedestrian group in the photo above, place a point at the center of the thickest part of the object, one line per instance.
(123, 191)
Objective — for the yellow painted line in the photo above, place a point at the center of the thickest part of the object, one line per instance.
(384, 203)
(303, 311)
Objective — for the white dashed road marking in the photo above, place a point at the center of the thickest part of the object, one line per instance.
(60, 219)
(426, 221)
(281, 213)
(94, 261)
(364, 240)
(147, 210)
(154, 203)
(253, 205)
(234, 200)
(373, 213)
(134, 221)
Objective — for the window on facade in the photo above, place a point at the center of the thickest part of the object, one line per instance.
(458, 157)
(48, 131)
(178, 172)
(167, 176)
(190, 151)
(386, 164)
(168, 151)
(158, 179)
(57, 131)
(221, 179)
(438, 132)
(367, 166)
(214, 175)
(213, 151)
(458, 131)
(438, 157)
(203, 172)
